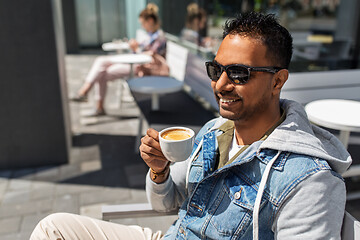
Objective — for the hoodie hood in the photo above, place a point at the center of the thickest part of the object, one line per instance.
(297, 135)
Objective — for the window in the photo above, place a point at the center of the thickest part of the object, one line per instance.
(321, 42)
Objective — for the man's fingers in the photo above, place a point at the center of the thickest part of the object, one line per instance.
(150, 159)
(150, 141)
(149, 149)
(154, 161)
(153, 133)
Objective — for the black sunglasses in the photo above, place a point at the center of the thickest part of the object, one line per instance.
(237, 73)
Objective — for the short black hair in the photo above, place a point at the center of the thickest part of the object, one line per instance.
(267, 29)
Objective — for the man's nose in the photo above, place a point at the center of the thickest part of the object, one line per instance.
(224, 83)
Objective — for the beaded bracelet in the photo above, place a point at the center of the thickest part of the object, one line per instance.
(160, 174)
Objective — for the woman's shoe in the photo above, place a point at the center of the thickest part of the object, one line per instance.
(79, 98)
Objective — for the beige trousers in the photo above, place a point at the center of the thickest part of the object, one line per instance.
(71, 227)
(104, 70)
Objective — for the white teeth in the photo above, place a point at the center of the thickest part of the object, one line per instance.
(227, 101)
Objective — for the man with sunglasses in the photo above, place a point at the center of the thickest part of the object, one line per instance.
(261, 170)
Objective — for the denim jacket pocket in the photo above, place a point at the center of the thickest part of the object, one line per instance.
(231, 214)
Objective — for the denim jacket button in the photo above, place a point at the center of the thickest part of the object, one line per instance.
(237, 195)
(181, 230)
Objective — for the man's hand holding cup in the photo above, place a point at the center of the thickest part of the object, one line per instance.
(158, 149)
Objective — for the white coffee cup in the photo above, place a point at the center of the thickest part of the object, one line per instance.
(176, 143)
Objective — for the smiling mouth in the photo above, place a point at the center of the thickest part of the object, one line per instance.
(228, 100)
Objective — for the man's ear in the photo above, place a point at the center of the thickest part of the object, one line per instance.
(279, 80)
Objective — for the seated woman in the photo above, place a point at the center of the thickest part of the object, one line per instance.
(196, 19)
(104, 70)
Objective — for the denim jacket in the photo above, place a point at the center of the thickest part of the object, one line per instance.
(219, 204)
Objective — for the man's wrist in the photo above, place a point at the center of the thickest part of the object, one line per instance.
(160, 177)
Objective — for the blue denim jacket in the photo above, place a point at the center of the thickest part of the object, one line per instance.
(220, 202)
(304, 195)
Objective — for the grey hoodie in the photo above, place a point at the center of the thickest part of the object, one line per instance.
(297, 135)
(299, 217)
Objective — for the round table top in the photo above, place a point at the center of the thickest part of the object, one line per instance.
(337, 114)
(155, 84)
(114, 46)
(131, 58)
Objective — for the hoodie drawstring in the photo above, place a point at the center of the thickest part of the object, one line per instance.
(259, 194)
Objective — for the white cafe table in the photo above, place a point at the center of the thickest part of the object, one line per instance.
(155, 85)
(119, 47)
(338, 114)
(131, 58)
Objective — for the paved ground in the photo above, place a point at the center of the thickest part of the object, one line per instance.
(103, 168)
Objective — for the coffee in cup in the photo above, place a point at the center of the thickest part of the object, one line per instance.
(176, 134)
(176, 143)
